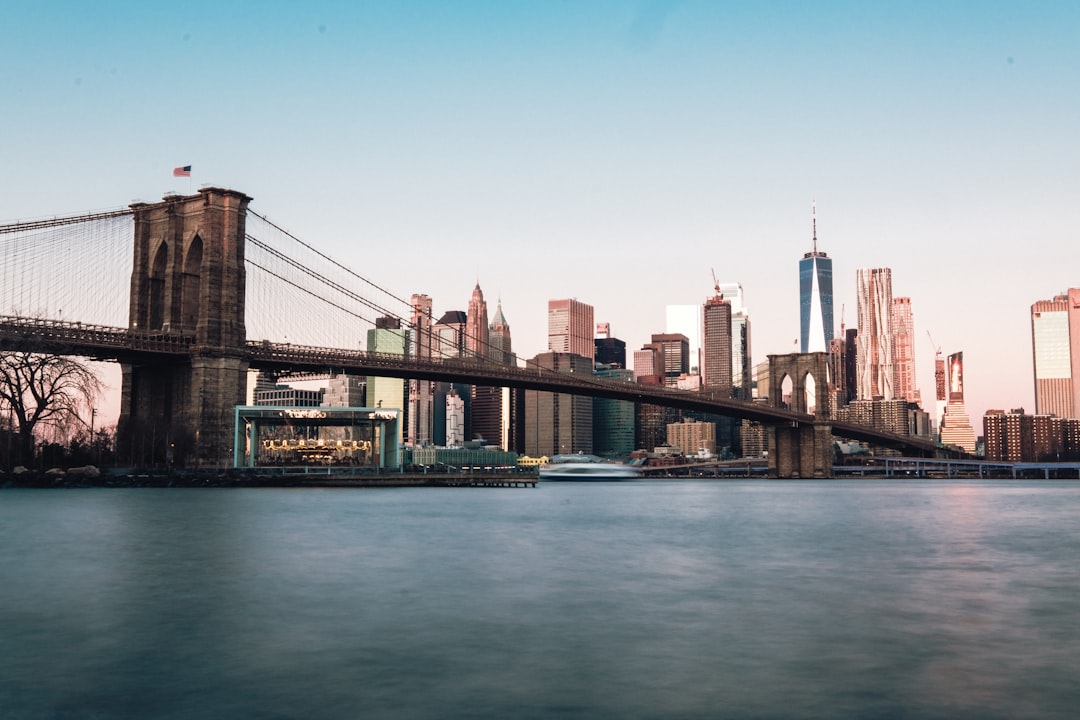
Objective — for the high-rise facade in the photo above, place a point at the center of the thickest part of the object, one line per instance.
(815, 299)
(956, 425)
(421, 412)
(674, 350)
(903, 351)
(716, 355)
(570, 327)
(559, 423)
(1055, 344)
(741, 369)
(476, 325)
(385, 392)
(499, 338)
(874, 352)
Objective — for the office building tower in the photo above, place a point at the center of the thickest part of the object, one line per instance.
(1055, 346)
(448, 335)
(559, 423)
(686, 320)
(476, 325)
(815, 298)
(903, 351)
(389, 338)
(874, 358)
(608, 351)
(485, 402)
(570, 327)
(741, 367)
(674, 351)
(647, 363)
(716, 353)
(851, 363)
(838, 372)
(421, 397)
(499, 338)
(955, 425)
(613, 420)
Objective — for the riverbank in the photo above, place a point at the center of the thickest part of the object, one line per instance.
(251, 479)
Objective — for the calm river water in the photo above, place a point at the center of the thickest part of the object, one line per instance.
(755, 599)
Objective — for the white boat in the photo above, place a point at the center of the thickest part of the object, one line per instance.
(587, 467)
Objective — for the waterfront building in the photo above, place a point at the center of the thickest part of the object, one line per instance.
(344, 391)
(955, 425)
(288, 396)
(716, 356)
(815, 298)
(686, 320)
(1014, 436)
(570, 327)
(903, 351)
(1055, 345)
(389, 338)
(420, 424)
(691, 435)
(559, 423)
(613, 420)
(874, 352)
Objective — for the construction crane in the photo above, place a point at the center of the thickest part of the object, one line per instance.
(716, 283)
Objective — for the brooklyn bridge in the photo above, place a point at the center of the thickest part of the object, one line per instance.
(191, 293)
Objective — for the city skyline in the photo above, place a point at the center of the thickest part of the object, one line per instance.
(614, 153)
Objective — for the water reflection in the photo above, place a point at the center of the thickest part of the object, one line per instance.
(695, 600)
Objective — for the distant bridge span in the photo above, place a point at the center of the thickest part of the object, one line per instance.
(120, 344)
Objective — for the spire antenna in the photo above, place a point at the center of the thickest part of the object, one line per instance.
(814, 206)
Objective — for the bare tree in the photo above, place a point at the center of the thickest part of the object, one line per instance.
(44, 391)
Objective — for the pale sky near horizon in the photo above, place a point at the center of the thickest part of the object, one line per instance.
(616, 152)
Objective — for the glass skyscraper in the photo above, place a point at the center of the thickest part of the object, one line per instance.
(1055, 344)
(815, 299)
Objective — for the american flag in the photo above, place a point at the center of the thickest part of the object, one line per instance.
(182, 171)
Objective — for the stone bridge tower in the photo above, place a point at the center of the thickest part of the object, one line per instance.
(187, 280)
(801, 449)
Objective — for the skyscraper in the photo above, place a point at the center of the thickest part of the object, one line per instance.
(384, 392)
(874, 355)
(499, 338)
(570, 327)
(476, 325)
(558, 422)
(903, 351)
(716, 344)
(421, 397)
(815, 298)
(741, 369)
(1055, 344)
(956, 426)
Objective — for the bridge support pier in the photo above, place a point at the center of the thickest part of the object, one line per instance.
(187, 287)
(802, 450)
(799, 381)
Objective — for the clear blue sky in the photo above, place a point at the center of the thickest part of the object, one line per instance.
(609, 151)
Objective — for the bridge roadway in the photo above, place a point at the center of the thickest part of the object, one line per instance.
(101, 342)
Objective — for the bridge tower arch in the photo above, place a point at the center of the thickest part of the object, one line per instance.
(801, 449)
(187, 284)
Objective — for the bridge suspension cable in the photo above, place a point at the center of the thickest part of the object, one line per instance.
(76, 267)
